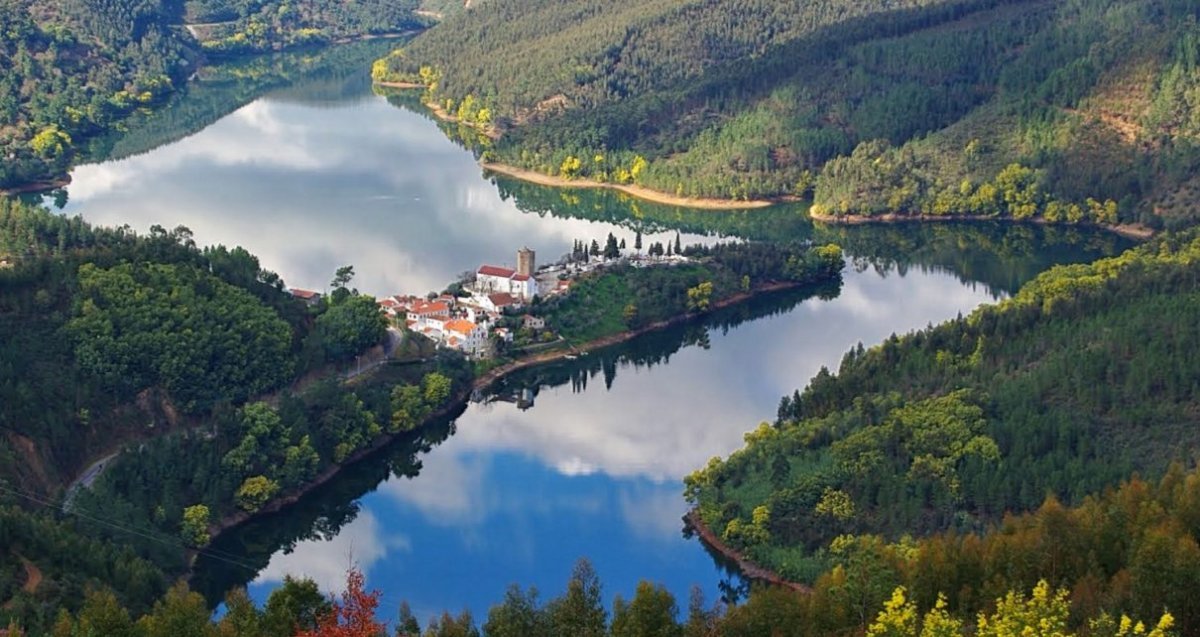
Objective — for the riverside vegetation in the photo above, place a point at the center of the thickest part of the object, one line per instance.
(217, 382)
(112, 338)
(1060, 111)
(978, 477)
(75, 69)
(1076, 383)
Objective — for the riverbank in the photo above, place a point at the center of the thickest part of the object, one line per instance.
(458, 403)
(641, 192)
(747, 568)
(1128, 230)
(498, 373)
(36, 186)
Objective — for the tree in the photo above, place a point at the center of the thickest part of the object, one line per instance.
(342, 277)
(637, 241)
(517, 616)
(349, 327)
(437, 388)
(611, 250)
(195, 525)
(699, 297)
(580, 611)
(652, 613)
(51, 142)
(595, 250)
(678, 245)
(354, 616)
(255, 492)
(294, 607)
(701, 621)
(242, 618)
(451, 626)
(406, 623)
(103, 614)
(181, 613)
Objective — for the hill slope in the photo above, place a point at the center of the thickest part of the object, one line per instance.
(754, 98)
(1082, 379)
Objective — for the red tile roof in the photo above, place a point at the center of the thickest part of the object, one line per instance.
(436, 307)
(460, 326)
(492, 270)
(304, 294)
(500, 299)
(520, 277)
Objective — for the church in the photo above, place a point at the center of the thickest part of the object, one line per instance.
(491, 279)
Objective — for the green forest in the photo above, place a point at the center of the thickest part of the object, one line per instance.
(188, 356)
(77, 68)
(1076, 383)
(1071, 112)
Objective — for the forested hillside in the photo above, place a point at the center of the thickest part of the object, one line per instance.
(231, 27)
(109, 338)
(74, 68)
(77, 68)
(1082, 379)
(1069, 110)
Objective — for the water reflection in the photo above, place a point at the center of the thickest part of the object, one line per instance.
(310, 189)
(584, 457)
(578, 458)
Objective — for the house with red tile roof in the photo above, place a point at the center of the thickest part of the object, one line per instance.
(308, 296)
(491, 279)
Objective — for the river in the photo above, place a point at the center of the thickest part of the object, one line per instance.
(299, 161)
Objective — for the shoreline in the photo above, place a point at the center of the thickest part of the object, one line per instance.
(1127, 230)
(459, 401)
(37, 186)
(284, 501)
(641, 192)
(748, 568)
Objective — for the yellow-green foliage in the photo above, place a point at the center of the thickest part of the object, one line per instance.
(255, 492)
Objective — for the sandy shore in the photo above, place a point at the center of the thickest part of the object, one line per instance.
(404, 85)
(635, 191)
(1130, 230)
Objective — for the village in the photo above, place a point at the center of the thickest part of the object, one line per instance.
(489, 309)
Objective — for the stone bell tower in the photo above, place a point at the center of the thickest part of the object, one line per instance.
(525, 262)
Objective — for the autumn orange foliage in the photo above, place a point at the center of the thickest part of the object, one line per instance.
(354, 616)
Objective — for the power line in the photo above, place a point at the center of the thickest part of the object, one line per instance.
(220, 556)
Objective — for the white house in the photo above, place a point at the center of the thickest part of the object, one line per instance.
(467, 336)
(490, 279)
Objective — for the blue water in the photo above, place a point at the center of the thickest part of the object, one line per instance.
(593, 467)
(518, 495)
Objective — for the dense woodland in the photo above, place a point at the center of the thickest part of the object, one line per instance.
(978, 477)
(78, 68)
(1079, 381)
(75, 68)
(878, 590)
(1068, 111)
(109, 337)
(253, 26)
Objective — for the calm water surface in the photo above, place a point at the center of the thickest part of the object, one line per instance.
(580, 459)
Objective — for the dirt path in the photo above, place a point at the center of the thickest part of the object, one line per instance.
(33, 575)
